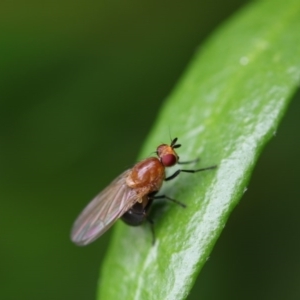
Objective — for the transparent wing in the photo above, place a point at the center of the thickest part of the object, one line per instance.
(103, 211)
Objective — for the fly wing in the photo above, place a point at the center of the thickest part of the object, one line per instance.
(103, 211)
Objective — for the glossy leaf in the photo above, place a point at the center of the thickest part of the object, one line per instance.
(225, 109)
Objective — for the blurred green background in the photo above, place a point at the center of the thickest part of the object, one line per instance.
(81, 84)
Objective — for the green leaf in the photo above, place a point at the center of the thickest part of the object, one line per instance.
(225, 109)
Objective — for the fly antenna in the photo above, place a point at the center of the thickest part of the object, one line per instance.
(174, 145)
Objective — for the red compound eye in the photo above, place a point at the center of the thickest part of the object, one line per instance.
(169, 160)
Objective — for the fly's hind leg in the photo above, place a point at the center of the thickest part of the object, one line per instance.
(151, 223)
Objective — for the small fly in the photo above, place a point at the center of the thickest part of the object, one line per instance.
(129, 196)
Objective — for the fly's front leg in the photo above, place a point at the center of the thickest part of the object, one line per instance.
(188, 171)
(188, 162)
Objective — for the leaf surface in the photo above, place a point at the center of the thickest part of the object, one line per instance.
(224, 110)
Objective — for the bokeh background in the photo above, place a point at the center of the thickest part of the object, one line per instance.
(80, 85)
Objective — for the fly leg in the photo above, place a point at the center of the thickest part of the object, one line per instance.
(153, 196)
(188, 162)
(148, 219)
(151, 223)
(169, 199)
(188, 171)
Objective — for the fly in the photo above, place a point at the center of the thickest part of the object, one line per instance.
(129, 196)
